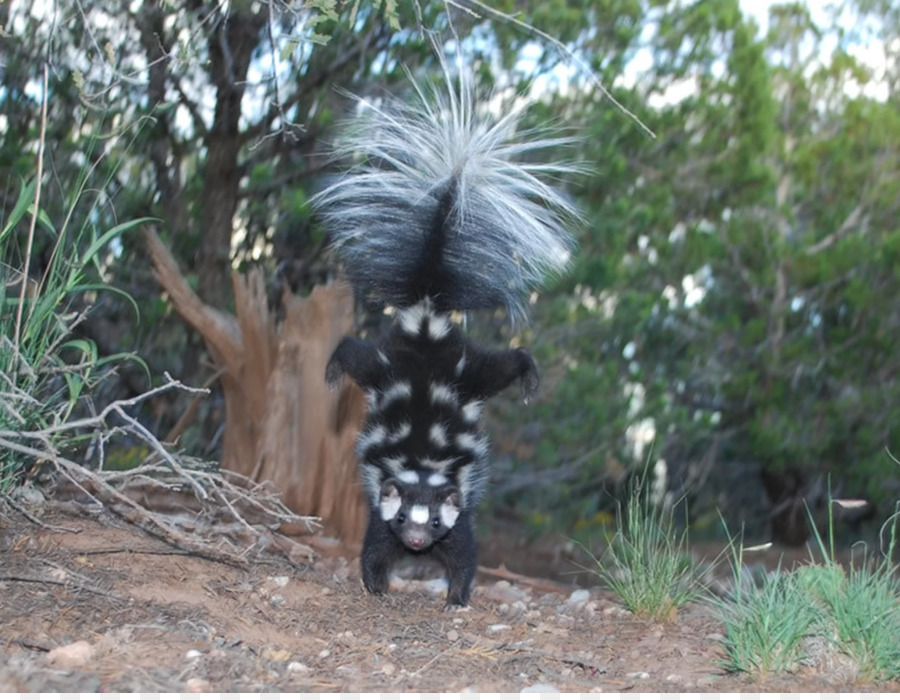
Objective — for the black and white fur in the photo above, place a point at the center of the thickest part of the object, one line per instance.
(441, 216)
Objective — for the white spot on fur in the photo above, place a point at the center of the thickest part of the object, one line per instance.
(410, 319)
(371, 478)
(373, 437)
(394, 464)
(390, 505)
(401, 433)
(441, 393)
(461, 365)
(408, 477)
(372, 399)
(383, 358)
(419, 514)
(471, 411)
(436, 479)
(437, 465)
(400, 390)
(449, 514)
(438, 435)
(478, 445)
(438, 325)
(466, 441)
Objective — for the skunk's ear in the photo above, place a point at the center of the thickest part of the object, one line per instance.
(450, 507)
(390, 499)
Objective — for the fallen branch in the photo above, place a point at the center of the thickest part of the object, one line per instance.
(191, 527)
(538, 584)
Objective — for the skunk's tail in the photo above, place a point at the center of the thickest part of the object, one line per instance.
(446, 205)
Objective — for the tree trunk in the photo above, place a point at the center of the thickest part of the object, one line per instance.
(282, 424)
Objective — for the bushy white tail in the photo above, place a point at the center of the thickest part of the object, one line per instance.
(447, 203)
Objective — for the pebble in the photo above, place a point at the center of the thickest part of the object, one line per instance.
(637, 674)
(297, 667)
(324, 654)
(71, 655)
(276, 600)
(192, 654)
(197, 685)
(499, 627)
(673, 678)
(540, 688)
(452, 635)
(580, 596)
(388, 669)
(436, 586)
(504, 592)
(280, 581)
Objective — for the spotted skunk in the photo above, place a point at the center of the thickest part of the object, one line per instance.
(441, 215)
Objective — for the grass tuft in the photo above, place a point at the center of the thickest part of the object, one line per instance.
(774, 625)
(647, 562)
(765, 622)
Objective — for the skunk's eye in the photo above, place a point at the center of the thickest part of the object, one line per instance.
(401, 518)
(436, 523)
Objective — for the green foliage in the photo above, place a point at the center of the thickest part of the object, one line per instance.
(45, 371)
(647, 561)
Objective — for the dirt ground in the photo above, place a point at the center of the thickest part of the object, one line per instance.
(147, 617)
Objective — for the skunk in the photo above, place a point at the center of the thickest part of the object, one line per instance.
(441, 216)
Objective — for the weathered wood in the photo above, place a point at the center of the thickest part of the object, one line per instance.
(282, 423)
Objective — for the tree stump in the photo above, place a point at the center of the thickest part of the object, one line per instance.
(282, 423)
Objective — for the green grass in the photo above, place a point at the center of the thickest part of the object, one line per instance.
(44, 370)
(861, 605)
(765, 622)
(648, 561)
(855, 610)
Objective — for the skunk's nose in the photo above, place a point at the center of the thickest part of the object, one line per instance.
(416, 542)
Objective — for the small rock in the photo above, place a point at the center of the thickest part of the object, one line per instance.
(452, 635)
(326, 590)
(673, 678)
(596, 689)
(324, 654)
(276, 601)
(637, 674)
(388, 669)
(715, 637)
(72, 655)
(298, 668)
(579, 597)
(197, 685)
(540, 688)
(519, 605)
(436, 586)
(279, 581)
(458, 620)
(503, 592)
(503, 609)
(192, 654)
(499, 627)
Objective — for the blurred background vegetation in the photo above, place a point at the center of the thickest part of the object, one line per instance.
(730, 324)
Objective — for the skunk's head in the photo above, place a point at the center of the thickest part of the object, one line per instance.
(419, 513)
